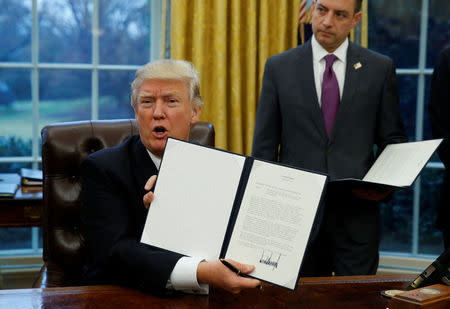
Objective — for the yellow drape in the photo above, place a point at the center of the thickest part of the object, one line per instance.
(229, 42)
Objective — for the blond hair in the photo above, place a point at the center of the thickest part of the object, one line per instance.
(169, 69)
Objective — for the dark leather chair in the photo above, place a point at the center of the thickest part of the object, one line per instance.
(64, 147)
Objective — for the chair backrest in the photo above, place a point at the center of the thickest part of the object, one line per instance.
(64, 147)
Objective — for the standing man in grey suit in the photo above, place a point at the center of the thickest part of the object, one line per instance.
(324, 106)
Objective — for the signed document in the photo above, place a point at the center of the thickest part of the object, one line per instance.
(398, 165)
(274, 221)
(215, 204)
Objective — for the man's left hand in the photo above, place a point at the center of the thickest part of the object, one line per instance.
(149, 196)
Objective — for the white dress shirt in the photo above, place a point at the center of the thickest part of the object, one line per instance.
(339, 65)
(184, 274)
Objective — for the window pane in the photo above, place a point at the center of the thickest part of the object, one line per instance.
(396, 222)
(430, 238)
(124, 32)
(438, 29)
(407, 88)
(15, 238)
(15, 31)
(13, 167)
(65, 29)
(394, 30)
(115, 94)
(41, 237)
(65, 95)
(16, 112)
(427, 133)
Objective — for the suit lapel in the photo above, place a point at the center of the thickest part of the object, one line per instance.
(143, 167)
(351, 85)
(308, 86)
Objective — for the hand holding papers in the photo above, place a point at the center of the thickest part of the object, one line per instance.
(397, 166)
(400, 164)
(215, 204)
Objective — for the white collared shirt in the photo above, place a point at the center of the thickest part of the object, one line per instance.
(339, 65)
(184, 274)
(156, 160)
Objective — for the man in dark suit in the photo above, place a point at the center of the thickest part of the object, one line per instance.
(115, 192)
(324, 105)
(440, 122)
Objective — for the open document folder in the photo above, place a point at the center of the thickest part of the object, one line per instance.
(396, 167)
(215, 204)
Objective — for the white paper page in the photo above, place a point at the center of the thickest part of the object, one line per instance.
(400, 164)
(194, 195)
(275, 220)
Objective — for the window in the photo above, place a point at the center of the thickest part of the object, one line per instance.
(66, 60)
(412, 33)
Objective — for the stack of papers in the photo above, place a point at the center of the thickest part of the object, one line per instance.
(9, 183)
(31, 177)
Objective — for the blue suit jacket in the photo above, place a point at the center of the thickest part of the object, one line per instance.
(113, 217)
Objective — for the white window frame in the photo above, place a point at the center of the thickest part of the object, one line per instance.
(156, 7)
(391, 261)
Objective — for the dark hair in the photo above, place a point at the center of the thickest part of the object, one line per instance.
(358, 4)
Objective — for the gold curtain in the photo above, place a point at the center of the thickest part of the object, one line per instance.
(229, 42)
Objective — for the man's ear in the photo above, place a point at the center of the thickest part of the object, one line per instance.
(195, 114)
(356, 19)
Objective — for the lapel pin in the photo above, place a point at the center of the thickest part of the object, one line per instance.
(357, 65)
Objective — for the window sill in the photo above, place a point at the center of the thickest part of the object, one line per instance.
(402, 264)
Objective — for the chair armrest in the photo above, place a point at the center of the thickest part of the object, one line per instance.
(52, 275)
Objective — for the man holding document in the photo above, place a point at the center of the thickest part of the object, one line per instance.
(256, 212)
(166, 101)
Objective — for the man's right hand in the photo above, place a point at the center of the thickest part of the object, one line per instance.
(218, 275)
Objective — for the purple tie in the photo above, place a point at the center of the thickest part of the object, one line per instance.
(330, 94)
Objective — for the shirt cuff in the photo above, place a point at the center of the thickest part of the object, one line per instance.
(184, 276)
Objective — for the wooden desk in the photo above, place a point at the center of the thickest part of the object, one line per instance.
(24, 210)
(328, 292)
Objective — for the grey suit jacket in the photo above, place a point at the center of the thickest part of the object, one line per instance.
(289, 123)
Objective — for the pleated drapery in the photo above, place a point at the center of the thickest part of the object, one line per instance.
(229, 42)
